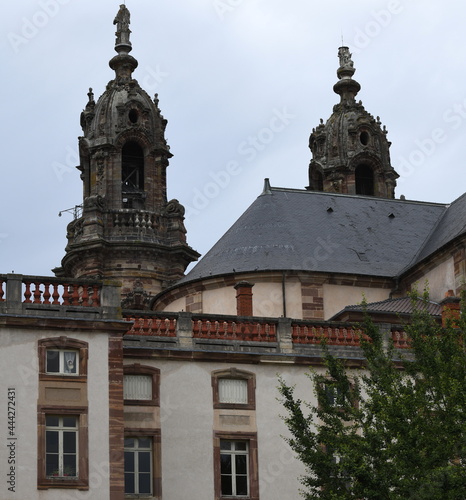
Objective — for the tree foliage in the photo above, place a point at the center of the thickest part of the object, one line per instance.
(396, 428)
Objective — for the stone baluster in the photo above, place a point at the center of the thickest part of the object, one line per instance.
(46, 295)
(55, 294)
(27, 293)
(37, 293)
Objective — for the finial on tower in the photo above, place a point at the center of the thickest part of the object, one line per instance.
(122, 20)
(346, 69)
(123, 64)
(346, 87)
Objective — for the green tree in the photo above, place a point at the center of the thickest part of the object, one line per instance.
(396, 428)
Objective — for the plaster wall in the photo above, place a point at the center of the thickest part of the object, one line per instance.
(188, 420)
(439, 280)
(176, 306)
(337, 297)
(20, 365)
(219, 300)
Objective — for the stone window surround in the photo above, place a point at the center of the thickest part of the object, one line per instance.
(82, 481)
(66, 344)
(155, 436)
(253, 472)
(234, 373)
(137, 369)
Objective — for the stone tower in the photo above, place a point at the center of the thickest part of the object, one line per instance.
(350, 152)
(127, 230)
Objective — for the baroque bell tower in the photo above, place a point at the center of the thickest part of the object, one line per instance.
(350, 152)
(127, 230)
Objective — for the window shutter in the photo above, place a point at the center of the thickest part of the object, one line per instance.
(233, 391)
(137, 387)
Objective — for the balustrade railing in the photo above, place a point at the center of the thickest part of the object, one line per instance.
(257, 331)
(316, 334)
(151, 326)
(400, 339)
(40, 291)
(134, 219)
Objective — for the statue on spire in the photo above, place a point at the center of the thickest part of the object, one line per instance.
(345, 57)
(122, 21)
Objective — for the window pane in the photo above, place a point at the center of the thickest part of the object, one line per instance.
(137, 387)
(69, 442)
(144, 461)
(241, 485)
(129, 482)
(129, 461)
(241, 464)
(144, 443)
(70, 362)
(144, 483)
(129, 443)
(225, 445)
(240, 445)
(53, 361)
(226, 485)
(51, 421)
(69, 422)
(51, 441)
(51, 464)
(233, 390)
(69, 465)
(225, 464)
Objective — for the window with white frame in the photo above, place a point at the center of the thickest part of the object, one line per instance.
(137, 387)
(232, 390)
(62, 361)
(138, 465)
(234, 468)
(61, 446)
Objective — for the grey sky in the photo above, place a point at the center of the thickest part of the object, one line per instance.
(241, 82)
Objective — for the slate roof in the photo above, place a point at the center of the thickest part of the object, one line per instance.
(402, 305)
(290, 229)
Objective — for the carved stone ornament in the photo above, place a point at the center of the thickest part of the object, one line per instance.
(174, 207)
(94, 202)
(345, 57)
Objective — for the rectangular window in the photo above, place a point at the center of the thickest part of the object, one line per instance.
(231, 390)
(234, 468)
(61, 361)
(138, 465)
(61, 446)
(137, 387)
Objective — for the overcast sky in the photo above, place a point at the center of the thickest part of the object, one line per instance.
(225, 71)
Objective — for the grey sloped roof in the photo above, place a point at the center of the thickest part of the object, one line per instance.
(286, 229)
(403, 305)
(450, 226)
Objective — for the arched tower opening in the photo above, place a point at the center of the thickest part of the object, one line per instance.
(132, 175)
(364, 178)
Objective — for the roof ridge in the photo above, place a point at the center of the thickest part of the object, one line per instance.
(348, 195)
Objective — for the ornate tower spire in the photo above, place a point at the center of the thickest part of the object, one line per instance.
(123, 64)
(350, 152)
(128, 230)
